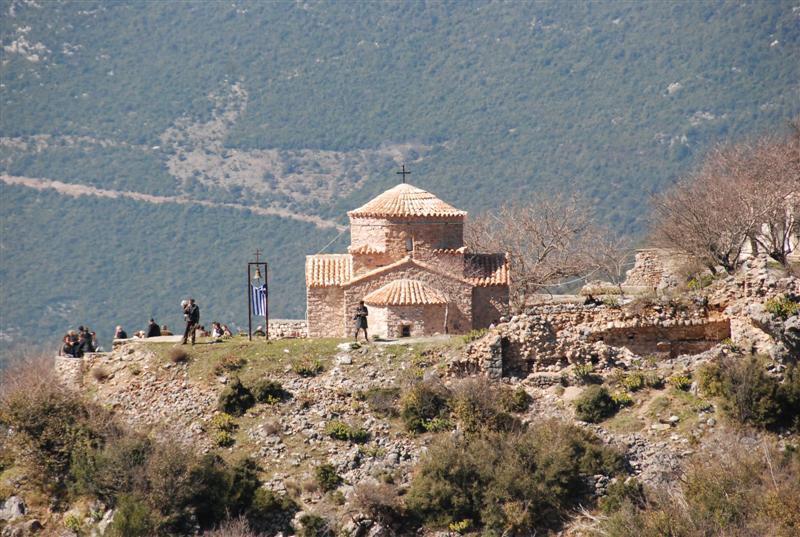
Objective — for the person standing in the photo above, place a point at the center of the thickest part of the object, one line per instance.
(191, 313)
(361, 320)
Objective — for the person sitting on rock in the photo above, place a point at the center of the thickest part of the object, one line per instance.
(226, 332)
(119, 333)
(153, 330)
(67, 348)
(165, 331)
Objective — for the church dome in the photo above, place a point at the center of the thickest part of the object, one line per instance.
(405, 293)
(405, 200)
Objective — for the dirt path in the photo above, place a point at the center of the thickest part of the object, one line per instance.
(76, 190)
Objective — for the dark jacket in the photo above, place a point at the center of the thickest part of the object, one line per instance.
(122, 334)
(153, 330)
(193, 313)
(361, 316)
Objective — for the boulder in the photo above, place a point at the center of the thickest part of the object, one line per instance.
(12, 509)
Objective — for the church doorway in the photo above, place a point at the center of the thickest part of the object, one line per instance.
(405, 330)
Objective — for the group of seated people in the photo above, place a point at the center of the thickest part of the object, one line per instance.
(153, 330)
(78, 342)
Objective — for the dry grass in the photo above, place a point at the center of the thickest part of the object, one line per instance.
(178, 355)
(237, 527)
(100, 373)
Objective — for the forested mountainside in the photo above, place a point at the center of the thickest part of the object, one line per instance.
(136, 134)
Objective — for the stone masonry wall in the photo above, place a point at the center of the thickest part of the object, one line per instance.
(655, 269)
(325, 312)
(459, 294)
(391, 235)
(288, 328)
(424, 320)
(69, 370)
(489, 305)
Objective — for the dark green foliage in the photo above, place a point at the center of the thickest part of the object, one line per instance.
(132, 518)
(314, 526)
(271, 513)
(594, 404)
(266, 390)
(515, 401)
(751, 395)
(518, 482)
(235, 399)
(423, 403)
(327, 478)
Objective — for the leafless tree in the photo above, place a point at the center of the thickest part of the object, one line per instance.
(546, 242)
(610, 255)
(741, 195)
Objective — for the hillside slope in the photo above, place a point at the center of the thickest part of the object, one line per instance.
(306, 109)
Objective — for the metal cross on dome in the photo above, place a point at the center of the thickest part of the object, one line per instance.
(257, 254)
(404, 173)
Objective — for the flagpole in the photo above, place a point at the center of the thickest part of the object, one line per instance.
(249, 306)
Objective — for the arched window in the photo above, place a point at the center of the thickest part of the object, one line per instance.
(409, 244)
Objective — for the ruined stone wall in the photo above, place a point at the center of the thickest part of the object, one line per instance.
(459, 294)
(488, 305)
(692, 337)
(655, 269)
(325, 312)
(391, 235)
(288, 328)
(69, 370)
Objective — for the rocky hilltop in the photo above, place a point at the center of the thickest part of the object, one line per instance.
(329, 423)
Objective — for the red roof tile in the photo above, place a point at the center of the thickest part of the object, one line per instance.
(406, 200)
(405, 293)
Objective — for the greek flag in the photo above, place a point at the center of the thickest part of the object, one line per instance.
(259, 299)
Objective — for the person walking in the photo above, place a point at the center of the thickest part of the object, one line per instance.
(191, 313)
(361, 320)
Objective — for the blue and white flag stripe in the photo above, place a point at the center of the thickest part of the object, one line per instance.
(259, 299)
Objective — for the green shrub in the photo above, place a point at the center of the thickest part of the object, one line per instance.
(73, 523)
(327, 478)
(339, 430)
(583, 373)
(750, 395)
(633, 381)
(479, 403)
(740, 491)
(653, 380)
(308, 367)
(781, 306)
(680, 382)
(424, 402)
(594, 404)
(312, 525)
(611, 301)
(133, 518)
(223, 438)
(382, 401)
(268, 391)
(620, 493)
(271, 513)
(474, 335)
(224, 422)
(622, 399)
(515, 401)
(235, 399)
(521, 483)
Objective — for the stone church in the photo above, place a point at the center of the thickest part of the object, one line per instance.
(408, 263)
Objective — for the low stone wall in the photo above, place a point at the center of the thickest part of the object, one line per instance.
(69, 370)
(287, 328)
(655, 269)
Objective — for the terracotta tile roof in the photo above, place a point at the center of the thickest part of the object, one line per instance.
(484, 270)
(328, 270)
(365, 250)
(406, 200)
(450, 251)
(405, 293)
